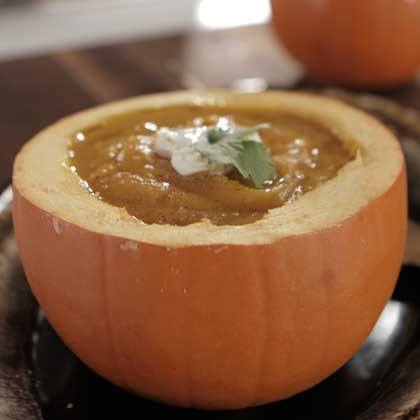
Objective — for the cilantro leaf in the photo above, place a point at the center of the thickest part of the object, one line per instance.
(216, 134)
(251, 158)
(255, 162)
(225, 151)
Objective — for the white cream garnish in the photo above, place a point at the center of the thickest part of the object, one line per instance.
(177, 144)
(188, 161)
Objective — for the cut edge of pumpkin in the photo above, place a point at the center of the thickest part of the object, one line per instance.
(41, 178)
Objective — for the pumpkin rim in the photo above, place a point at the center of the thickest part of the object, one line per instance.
(41, 177)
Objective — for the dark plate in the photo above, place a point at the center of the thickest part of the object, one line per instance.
(41, 379)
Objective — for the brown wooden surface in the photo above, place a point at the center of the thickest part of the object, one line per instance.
(36, 91)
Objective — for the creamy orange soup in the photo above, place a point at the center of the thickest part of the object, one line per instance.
(117, 161)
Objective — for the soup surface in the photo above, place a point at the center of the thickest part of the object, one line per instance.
(117, 162)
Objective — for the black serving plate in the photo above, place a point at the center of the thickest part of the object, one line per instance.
(41, 379)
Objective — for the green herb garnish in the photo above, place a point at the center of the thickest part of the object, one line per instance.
(216, 134)
(252, 159)
(255, 162)
(244, 134)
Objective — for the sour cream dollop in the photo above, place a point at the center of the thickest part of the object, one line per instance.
(177, 144)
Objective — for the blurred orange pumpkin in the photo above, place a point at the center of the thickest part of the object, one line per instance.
(357, 42)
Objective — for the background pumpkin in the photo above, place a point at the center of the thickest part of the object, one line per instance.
(357, 42)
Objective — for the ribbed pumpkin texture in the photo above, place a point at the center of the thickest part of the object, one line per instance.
(214, 316)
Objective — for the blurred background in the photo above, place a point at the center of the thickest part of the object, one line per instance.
(38, 26)
(60, 56)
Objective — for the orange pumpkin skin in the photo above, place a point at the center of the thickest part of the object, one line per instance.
(217, 326)
(359, 42)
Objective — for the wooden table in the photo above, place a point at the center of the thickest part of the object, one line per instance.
(36, 91)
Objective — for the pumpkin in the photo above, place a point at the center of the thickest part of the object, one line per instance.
(215, 316)
(360, 43)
